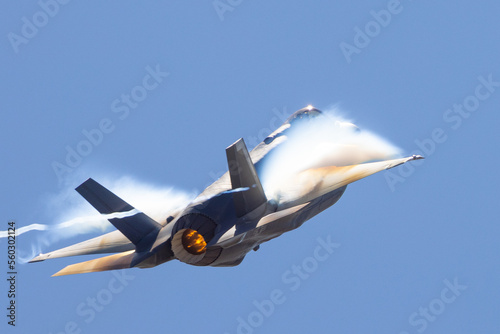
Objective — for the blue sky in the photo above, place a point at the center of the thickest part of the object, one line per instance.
(416, 249)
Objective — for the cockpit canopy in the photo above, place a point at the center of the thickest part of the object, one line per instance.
(306, 113)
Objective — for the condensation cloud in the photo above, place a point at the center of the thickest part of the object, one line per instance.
(327, 140)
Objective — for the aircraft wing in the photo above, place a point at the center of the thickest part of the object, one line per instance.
(113, 242)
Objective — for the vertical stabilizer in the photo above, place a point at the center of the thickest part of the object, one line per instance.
(244, 179)
(140, 229)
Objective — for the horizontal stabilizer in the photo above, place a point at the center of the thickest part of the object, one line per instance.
(111, 262)
(244, 178)
(113, 242)
(135, 225)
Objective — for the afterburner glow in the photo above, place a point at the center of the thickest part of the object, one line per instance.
(194, 242)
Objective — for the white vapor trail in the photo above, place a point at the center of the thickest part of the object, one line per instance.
(24, 229)
(70, 223)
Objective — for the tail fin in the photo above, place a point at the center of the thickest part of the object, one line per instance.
(243, 175)
(140, 229)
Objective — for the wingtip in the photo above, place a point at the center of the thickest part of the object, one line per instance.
(72, 270)
(397, 162)
(66, 271)
(39, 258)
(85, 182)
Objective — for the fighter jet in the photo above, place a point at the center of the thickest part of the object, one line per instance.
(229, 218)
